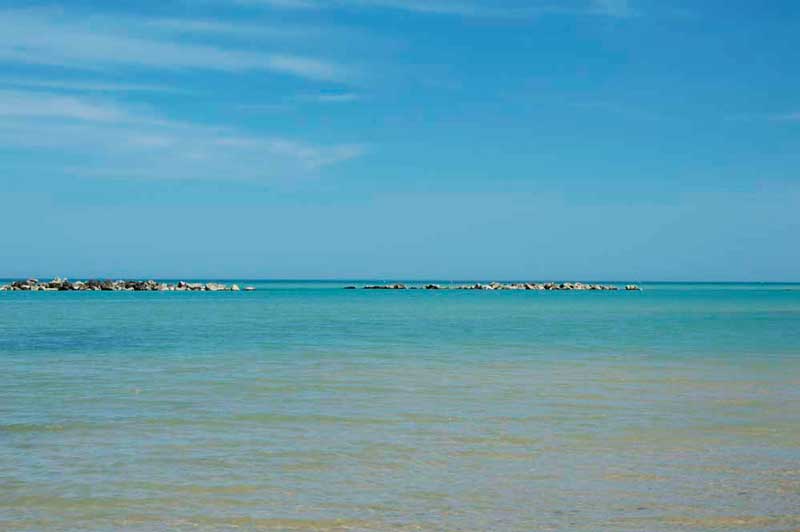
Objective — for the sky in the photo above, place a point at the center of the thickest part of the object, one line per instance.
(401, 139)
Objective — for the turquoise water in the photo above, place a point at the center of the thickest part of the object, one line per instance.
(302, 406)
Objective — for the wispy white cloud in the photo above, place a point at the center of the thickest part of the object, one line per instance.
(284, 4)
(22, 104)
(85, 85)
(293, 102)
(265, 107)
(339, 97)
(436, 7)
(613, 8)
(119, 141)
(465, 8)
(791, 117)
(313, 157)
(188, 26)
(306, 67)
(51, 38)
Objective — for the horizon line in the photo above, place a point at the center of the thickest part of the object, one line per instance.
(396, 279)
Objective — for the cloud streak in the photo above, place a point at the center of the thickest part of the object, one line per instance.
(340, 97)
(788, 117)
(474, 8)
(85, 86)
(49, 38)
(117, 141)
(613, 8)
(31, 105)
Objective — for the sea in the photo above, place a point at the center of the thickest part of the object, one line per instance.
(302, 406)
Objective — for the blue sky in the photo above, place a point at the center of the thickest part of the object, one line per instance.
(526, 139)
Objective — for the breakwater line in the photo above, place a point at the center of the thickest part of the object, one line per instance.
(64, 285)
(503, 286)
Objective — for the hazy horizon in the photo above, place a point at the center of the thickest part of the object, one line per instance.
(485, 278)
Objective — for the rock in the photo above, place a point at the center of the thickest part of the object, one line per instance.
(95, 285)
(181, 286)
(476, 286)
(570, 286)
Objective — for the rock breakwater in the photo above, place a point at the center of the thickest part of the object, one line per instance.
(63, 285)
(502, 286)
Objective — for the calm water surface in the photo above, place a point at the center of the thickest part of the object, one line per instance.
(303, 406)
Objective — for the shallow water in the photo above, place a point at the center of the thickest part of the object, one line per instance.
(303, 406)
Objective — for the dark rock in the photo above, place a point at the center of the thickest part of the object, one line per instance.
(397, 286)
